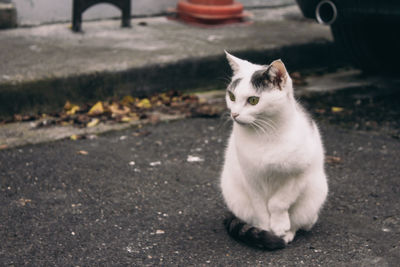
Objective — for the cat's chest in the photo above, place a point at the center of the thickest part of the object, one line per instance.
(266, 157)
(256, 154)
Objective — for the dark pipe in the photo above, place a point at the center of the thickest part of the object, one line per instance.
(326, 12)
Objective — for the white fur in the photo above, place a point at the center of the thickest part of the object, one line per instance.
(273, 176)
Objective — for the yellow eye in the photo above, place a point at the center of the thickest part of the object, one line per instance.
(231, 96)
(253, 100)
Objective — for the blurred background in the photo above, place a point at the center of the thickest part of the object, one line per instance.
(34, 12)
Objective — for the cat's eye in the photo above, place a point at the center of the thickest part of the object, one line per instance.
(231, 96)
(253, 100)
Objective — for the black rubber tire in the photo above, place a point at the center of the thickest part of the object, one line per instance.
(373, 46)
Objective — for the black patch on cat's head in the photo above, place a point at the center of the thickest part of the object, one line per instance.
(260, 80)
(234, 84)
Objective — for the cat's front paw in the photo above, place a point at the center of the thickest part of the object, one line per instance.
(288, 237)
(280, 225)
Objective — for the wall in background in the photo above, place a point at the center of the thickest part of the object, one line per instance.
(34, 12)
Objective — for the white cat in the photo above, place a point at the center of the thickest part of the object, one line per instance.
(273, 179)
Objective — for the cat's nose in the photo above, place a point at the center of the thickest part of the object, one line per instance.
(234, 115)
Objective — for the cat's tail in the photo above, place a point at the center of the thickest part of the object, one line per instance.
(252, 236)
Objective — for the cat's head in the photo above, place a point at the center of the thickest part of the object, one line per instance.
(257, 91)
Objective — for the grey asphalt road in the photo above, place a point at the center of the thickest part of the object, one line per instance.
(132, 198)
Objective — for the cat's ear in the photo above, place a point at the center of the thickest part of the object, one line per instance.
(234, 62)
(277, 73)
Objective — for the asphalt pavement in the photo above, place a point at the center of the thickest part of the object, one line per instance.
(150, 196)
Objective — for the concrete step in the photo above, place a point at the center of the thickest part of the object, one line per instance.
(44, 66)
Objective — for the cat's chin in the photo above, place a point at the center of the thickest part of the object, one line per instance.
(242, 123)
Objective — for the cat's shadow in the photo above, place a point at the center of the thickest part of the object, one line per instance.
(302, 235)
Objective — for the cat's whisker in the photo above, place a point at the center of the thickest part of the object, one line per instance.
(262, 126)
(226, 114)
(268, 124)
(225, 79)
(270, 121)
(255, 128)
(226, 117)
(259, 126)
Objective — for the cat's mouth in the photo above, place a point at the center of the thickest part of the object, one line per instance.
(240, 122)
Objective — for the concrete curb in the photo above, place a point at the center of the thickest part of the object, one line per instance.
(49, 95)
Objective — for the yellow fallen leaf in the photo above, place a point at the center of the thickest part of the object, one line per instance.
(73, 109)
(164, 97)
(144, 103)
(93, 122)
(337, 109)
(66, 123)
(126, 119)
(116, 109)
(74, 137)
(97, 109)
(128, 100)
(67, 105)
(154, 99)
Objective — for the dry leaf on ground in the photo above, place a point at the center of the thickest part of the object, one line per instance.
(74, 137)
(97, 109)
(23, 201)
(337, 109)
(93, 122)
(117, 109)
(332, 159)
(128, 100)
(144, 103)
(141, 133)
(127, 109)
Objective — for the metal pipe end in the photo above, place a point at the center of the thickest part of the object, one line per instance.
(326, 12)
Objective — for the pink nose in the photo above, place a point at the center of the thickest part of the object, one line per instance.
(234, 115)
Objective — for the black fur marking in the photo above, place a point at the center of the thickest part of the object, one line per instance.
(260, 80)
(276, 77)
(234, 84)
(252, 236)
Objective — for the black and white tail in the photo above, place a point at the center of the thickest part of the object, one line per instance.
(252, 236)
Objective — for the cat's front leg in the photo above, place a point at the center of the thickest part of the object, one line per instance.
(279, 218)
(279, 204)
